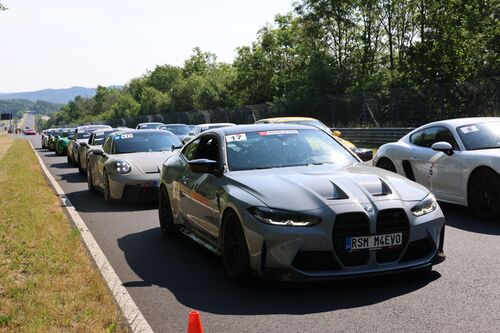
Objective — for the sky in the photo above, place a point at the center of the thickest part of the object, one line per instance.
(61, 43)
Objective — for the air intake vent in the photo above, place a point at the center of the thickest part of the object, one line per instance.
(349, 225)
(392, 221)
(377, 188)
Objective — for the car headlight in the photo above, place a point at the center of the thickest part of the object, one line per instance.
(282, 217)
(122, 167)
(426, 206)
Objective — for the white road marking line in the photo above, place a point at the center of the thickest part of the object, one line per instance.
(127, 305)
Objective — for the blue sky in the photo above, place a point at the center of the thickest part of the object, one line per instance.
(64, 43)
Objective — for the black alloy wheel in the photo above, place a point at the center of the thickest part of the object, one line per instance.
(167, 226)
(484, 193)
(386, 164)
(107, 196)
(90, 181)
(235, 254)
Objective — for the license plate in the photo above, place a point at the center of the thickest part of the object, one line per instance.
(373, 242)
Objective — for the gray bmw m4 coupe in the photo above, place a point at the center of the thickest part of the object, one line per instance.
(289, 202)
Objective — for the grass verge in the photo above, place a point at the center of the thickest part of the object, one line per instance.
(47, 281)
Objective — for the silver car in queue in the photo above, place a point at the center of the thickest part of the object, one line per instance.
(95, 140)
(128, 164)
(289, 202)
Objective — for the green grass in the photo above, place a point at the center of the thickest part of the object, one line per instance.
(47, 281)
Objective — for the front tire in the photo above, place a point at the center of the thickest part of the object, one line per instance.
(167, 225)
(483, 193)
(90, 181)
(80, 169)
(107, 195)
(235, 254)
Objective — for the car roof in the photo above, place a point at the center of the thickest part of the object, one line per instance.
(259, 127)
(287, 119)
(131, 130)
(175, 125)
(85, 127)
(215, 124)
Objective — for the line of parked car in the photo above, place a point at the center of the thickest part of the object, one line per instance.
(287, 198)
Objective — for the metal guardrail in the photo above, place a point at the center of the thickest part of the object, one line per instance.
(373, 137)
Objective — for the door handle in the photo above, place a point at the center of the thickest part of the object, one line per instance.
(185, 180)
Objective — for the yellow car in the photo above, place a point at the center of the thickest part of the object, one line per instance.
(364, 154)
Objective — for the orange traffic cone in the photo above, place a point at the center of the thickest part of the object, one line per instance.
(194, 322)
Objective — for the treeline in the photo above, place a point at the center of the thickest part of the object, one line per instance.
(413, 59)
(18, 106)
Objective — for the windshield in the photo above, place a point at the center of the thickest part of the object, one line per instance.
(100, 136)
(144, 142)
(177, 129)
(284, 148)
(149, 126)
(484, 135)
(83, 135)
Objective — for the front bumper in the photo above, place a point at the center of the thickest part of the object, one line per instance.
(134, 187)
(314, 253)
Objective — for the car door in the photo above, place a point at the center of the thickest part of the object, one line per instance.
(200, 202)
(439, 172)
(101, 160)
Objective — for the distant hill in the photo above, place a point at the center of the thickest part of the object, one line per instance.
(59, 96)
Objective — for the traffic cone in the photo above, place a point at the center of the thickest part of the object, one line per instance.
(194, 322)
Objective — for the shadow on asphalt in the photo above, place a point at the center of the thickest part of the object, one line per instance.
(62, 165)
(463, 218)
(196, 277)
(73, 177)
(87, 202)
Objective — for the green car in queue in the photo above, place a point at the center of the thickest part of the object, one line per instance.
(63, 141)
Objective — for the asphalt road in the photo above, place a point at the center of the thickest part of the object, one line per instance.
(167, 278)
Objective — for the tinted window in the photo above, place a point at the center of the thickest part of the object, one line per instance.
(190, 150)
(418, 138)
(144, 142)
(208, 148)
(427, 137)
(484, 135)
(284, 148)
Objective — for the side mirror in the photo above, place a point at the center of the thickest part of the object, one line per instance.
(84, 144)
(444, 147)
(337, 133)
(98, 151)
(364, 154)
(203, 166)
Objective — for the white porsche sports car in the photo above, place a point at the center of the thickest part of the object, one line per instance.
(457, 159)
